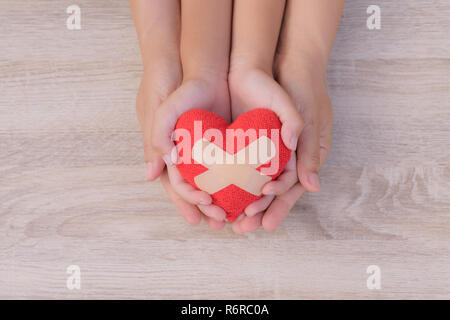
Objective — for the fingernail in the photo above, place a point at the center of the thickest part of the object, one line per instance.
(268, 191)
(168, 160)
(313, 179)
(205, 202)
(148, 171)
(293, 143)
(221, 217)
(237, 229)
(249, 213)
(174, 156)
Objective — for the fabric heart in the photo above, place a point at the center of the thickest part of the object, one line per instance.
(231, 162)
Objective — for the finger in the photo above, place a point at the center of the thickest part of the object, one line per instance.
(250, 224)
(323, 154)
(185, 190)
(154, 163)
(214, 224)
(284, 107)
(325, 139)
(235, 226)
(259, 89)
(189, 212)
(309, 157)
(188, 96)
(153, 169)
(259, 205)
(280, 207)
(213, 212)
(285, 181)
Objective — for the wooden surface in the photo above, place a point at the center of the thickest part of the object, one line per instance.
(72, 189)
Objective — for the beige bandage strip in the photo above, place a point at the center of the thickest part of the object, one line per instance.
(239, 169)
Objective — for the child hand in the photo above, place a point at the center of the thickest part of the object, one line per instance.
(192, 36)
(254, 88)
(209, 94)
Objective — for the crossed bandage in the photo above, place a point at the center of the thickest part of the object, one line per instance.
(239, 169)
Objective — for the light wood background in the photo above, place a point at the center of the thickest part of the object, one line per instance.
(72, 189)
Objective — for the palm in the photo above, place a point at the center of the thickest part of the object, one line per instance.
(255, 89)
(203, 95)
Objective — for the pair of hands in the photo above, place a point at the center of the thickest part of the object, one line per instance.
(163, 96)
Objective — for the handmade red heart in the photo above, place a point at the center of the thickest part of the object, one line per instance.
(203, 139)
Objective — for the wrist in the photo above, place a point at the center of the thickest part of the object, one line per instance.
(246, 62)
(155, 60)
(159, 49)
(307, 65)
(162, 69)
(309, 55)
(211, 73)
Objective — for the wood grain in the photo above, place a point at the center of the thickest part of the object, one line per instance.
(72, 188)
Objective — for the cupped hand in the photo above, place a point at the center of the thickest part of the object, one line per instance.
(200, 93)
(254, 88)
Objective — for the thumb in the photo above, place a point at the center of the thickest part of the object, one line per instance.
(308, 155)
(185, 98)
(291, 120)
(154, 163)
(260, 89)
(161, 135)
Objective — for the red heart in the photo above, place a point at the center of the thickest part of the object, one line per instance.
(231, 198)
